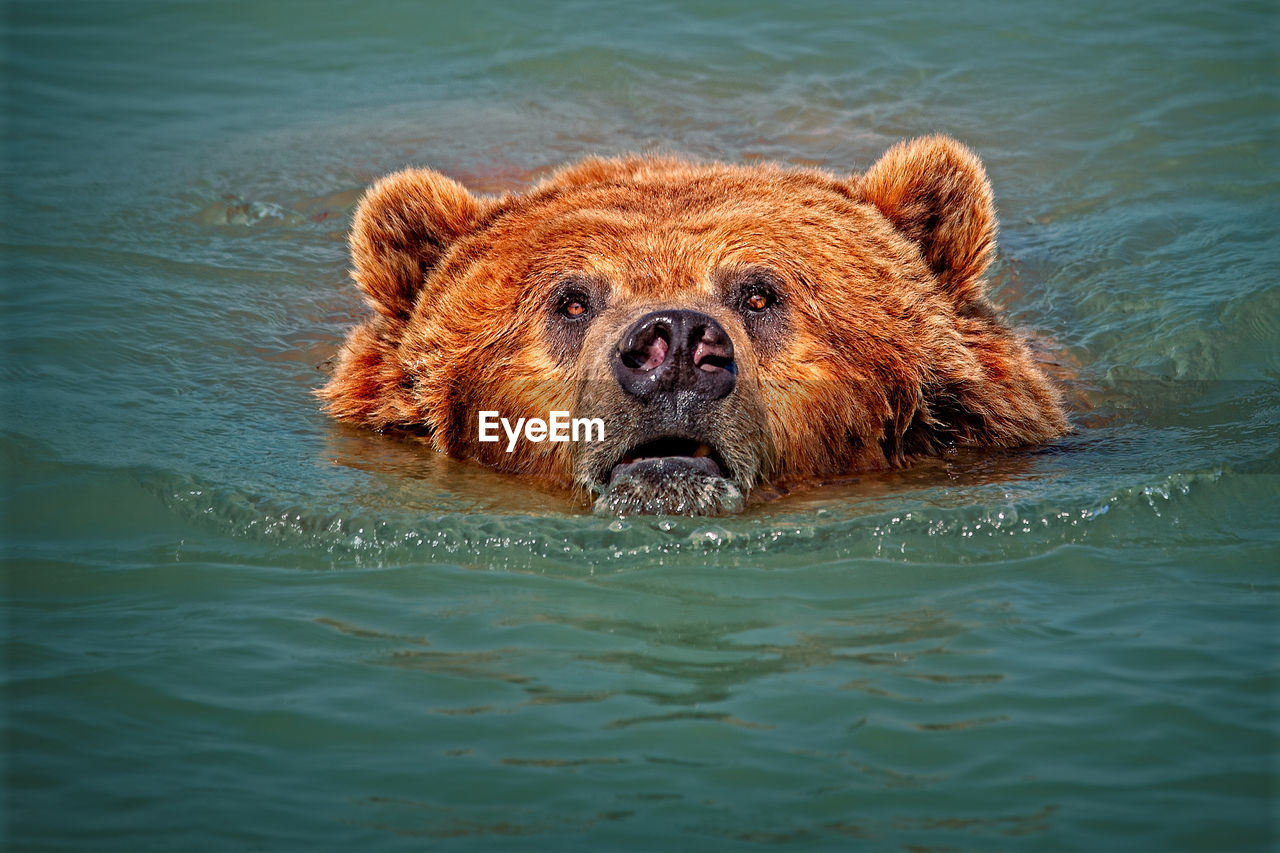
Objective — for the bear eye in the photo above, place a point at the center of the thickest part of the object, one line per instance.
(761, 299)
(757, 296)
(573, 305)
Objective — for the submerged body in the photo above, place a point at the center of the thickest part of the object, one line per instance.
(731, 326)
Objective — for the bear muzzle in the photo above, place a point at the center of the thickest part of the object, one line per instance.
(675, 368)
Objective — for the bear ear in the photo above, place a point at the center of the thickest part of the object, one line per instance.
(935, 191)
(402, 228)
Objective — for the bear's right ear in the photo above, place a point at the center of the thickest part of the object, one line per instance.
(402, 228)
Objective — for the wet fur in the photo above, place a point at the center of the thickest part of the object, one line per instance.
(884, 346)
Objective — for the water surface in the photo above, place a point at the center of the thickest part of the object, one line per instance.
(231, 622)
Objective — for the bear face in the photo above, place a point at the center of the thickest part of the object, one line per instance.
(730, 325)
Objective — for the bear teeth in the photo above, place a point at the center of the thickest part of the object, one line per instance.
(670, 451)
(666, 447)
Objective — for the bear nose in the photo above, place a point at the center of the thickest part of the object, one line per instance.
(668, 351)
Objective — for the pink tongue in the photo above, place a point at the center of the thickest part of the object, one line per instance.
(657, 354)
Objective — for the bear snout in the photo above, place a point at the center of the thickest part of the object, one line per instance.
(666, 352)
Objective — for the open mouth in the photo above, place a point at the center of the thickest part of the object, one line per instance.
(670, 476)
(670, 455)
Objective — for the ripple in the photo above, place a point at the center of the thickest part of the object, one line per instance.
(775, 536)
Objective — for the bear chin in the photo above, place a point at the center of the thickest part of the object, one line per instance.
(669, 485)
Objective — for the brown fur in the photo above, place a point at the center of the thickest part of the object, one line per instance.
(882, 346)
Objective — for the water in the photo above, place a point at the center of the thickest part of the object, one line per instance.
(232, 623)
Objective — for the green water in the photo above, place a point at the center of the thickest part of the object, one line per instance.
(230, 623)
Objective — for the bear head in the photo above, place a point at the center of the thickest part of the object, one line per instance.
(731, 326)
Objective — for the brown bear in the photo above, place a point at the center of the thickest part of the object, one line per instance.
(712, 328)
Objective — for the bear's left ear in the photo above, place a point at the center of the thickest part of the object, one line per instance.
(404, 225)
(935, 191)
